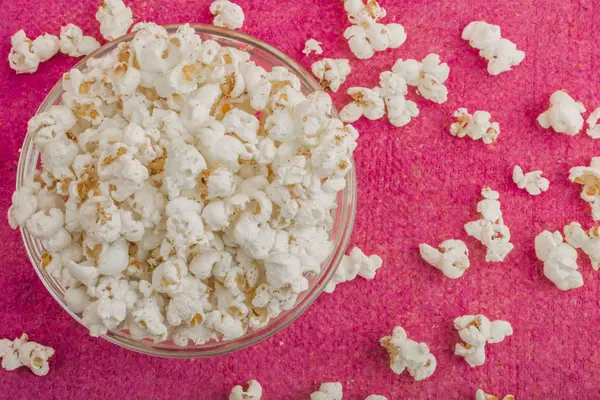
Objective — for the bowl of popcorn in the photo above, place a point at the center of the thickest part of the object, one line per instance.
(186, 190)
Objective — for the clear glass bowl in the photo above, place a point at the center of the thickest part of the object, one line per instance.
(267, 57)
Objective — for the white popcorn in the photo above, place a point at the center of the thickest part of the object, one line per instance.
(311, 46)
(589, 178)
(452, 258)
(254, 392)
(406, 354)
(588, 241)
(227, 14)
(593, 130)
(21, 352)
(45, 46)
(369, 37)
(328, 391)
(476, 331)
(428, 76)
(476, 126)
(490, 229)
(366, 102)
(393, 91)
(74, 44)
(357, 263)
(560, 260)
(532, 181)
(183, 165)
(563, 115)
(502, 54)
(376, 397)
(21, 57)
(331, 72)
(115, 19)
(481, 395)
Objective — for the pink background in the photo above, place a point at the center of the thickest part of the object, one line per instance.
(416, 184)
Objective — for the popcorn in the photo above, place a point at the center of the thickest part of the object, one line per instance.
(331, 72)
(26, 55)
(490, 229)
(532, 181)
(428, 76)
(593, 130)
(45, 46)
(376, 397)
(588, 241)
(74, 44)
(311, 46)
(475, 331)
(227, 14)
(563, 115)
(476, 126)
(357, 263)
(328, 391)
(452, 258)
(115, 19)
(481, 395)
(393, 91)
(254, 392)
(20, 352)
(560, 260)
(366, 102)
(406, 354)
(589, 178)
(501, 53)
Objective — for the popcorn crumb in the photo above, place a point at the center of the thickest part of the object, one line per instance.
(356, 264)
(406, 354)
(74, 44)
(563, 115)
(481, 395)
(331, 72)
(428, 76)
(532, 181)
(328, 391)
(254, 392)
(115, 19)
(311, 46)
(476, 331)
(452, 258)
(476, 126)
(227, 14)
(593, 130)
(20, 352)
(560, 260)
(589, 178)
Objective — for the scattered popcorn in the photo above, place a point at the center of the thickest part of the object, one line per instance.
(227, 14)
(476, 126)
(593, 126)
(20, 352)
(560, 260)
(356, 264)
(25, 55)
(254, 392)
(476, 331)
(428, 76)
(366, 102)
(74, 44)
(115, 19)
(502, 54)
(331, 72)
(589, 178)
(588, 241)
(328, 391)
(406, 354)
(563, 115)
(532, 181)
(452, 258)
(481, 395)
(185, 193)
(311, 46)
(490, 229)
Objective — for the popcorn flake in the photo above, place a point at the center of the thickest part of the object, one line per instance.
(328, 391)
(481, 395)
(452, 258)
(476, 331)
(227, 14)
(331, 72)
(428, 76)
(115, 19)
(563, 115)
(21, 352)
(254, 392)
(357, 263)
(312, 46)
(406, 354)
(477, 126)
(560, 260)
(532, 181)
(589, 178)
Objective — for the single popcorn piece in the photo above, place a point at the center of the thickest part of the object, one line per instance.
(25, 55)
(481, 395)
(328, 391)
(532, 181)
(452, 258)
(227, 14)
(21, 352)
(406, 354)
(331, 72)
(45, 46)
(366, 102)
(376, 397)
(588, 241)
(477, 126)
(393, 90)
(74, 44)
(254, 392)
(589, 178)
(593, 130)
(115, 19)
(490, 229)
(502, 54)
(563, 115)
(476, 331)
(428, 76)
(312, 46)
(356, 264)
(560, 260)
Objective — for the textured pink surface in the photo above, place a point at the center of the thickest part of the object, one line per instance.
(416, 184)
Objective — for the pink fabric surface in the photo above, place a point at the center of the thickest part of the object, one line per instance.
(416, 184)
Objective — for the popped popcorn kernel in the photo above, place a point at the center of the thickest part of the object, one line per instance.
(331, 72)
(328, 391)
(532, 181)
(481, 395)
(452, 258)
(227, 14)
(563, 114)
(366, 102)
(477, 126)
(115, 19)
(356, 264)
(593, 130)
(74, 43)
(560, 260)
(589, 178)
(254, 392)
(406, 354)
(312, 46)
(476, 331)
(428, 76)
(21, 352)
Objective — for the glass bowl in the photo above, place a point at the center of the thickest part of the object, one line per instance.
(267, 57)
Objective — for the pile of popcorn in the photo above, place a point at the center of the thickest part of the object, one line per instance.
(185, 192)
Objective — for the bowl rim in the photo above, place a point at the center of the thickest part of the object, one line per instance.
(212, 348)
